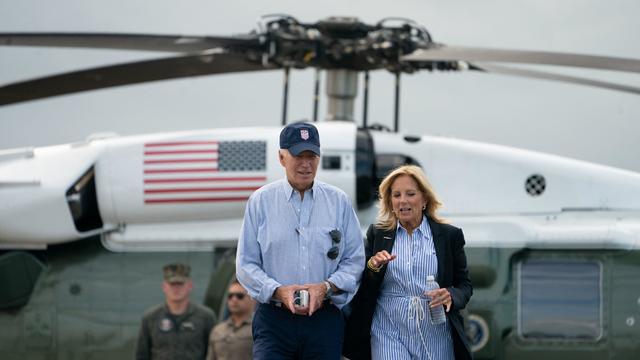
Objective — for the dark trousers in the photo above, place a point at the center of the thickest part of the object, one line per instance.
(279, 334)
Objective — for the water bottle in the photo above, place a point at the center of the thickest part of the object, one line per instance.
(436, 314)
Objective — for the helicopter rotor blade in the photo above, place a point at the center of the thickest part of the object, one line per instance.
(203, 63)
(533, 74)
(470, 54)
(141, 42)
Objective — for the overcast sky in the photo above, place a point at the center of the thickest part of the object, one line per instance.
(590, 124)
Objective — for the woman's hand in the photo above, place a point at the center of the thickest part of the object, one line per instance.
(381, 258)
(440, 297)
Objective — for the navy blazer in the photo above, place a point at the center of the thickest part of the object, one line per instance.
(452, 274)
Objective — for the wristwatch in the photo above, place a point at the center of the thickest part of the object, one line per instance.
(329, 290)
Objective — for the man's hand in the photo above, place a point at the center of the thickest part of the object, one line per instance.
(317, 292)
(284, 294)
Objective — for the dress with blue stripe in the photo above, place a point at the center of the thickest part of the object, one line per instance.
(401, 326)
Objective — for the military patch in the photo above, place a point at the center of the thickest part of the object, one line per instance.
(188, 325)
(166, 324)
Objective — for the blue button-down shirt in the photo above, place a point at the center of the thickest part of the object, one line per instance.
(284, 240)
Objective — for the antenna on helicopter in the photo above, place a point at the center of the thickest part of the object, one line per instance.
(365, 105)
(316, 95)
(285, 95)
(396, 112)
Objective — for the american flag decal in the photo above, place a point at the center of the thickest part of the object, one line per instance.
(203, 171)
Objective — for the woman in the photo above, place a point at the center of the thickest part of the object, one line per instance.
(389, 314)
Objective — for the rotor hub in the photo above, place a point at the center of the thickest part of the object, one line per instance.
(347, 43)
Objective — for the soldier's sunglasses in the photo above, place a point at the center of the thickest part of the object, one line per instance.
(336, 236)
(238, 296)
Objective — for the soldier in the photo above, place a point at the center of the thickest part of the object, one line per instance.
(231, 340)
(177, 329)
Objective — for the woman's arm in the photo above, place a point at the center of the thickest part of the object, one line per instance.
(461, 290)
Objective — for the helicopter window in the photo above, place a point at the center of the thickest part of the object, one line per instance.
(560, 300)
(331, 162)
(385, 163)
(83, 203)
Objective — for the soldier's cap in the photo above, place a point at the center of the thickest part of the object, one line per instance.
(298, 137)
(176, 273)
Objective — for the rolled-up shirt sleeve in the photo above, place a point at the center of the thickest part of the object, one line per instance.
(249, 267)
(347, 275)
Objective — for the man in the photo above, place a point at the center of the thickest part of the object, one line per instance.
(299, 234)
(231, 340)
(177, 329)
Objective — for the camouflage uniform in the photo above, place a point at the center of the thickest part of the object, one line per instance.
(164, 335)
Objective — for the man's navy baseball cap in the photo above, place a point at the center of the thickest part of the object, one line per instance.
(299, 137)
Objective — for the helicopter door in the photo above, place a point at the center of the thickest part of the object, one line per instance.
(366, 189)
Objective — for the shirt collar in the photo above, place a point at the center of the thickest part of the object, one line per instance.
(424, 226)
(289, 190)
(243, 323)
(188, 311)
(423, 229)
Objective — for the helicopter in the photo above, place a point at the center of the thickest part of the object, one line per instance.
(552, 243)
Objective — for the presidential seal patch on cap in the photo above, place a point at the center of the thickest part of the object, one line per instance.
(299, 137)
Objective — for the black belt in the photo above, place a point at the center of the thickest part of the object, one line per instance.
(277, 304)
